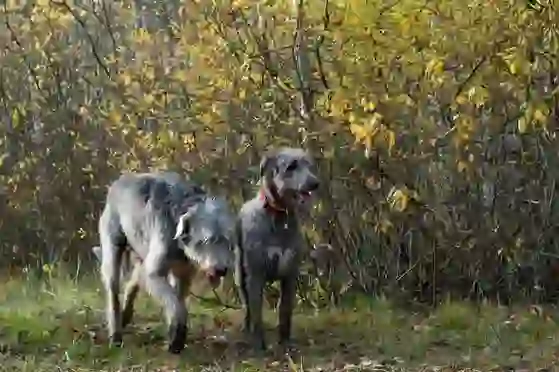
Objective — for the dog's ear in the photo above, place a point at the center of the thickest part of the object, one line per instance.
(98, 252)
(183, 226)
(266, 164)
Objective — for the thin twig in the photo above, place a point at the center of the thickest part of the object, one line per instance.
(92, 44)
(464, 83)
(217, 301)
(30, 68)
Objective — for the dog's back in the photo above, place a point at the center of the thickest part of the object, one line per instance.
(164, 190)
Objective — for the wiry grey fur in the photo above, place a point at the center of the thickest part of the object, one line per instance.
(270, 243)
(172, 228)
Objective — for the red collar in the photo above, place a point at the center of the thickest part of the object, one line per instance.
(270, 204)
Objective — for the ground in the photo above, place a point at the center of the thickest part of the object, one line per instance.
(56, 324)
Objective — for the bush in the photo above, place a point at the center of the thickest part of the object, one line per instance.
(434, 126)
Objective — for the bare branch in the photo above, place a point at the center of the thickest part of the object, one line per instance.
(464, 83)
(30, 68)
(300, 58)
(325, 25)
(92, 44)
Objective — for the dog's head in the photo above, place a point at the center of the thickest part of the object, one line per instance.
(287, 178)
(206, 232)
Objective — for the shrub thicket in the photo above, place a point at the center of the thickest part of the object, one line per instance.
(434, 124)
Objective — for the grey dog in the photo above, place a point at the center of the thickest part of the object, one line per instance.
(269, 240)
(168, 228)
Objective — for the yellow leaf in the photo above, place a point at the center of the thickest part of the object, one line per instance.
(141, 35)
(366, 133)
(406, 99)
(125, 78)
(405, 26)
(291, 364)
(515, 66)
(135, 87)
(399, 200)
(115, 116)
(3, 157)
(385, 225)
(434, 67)
(188, 139)
(462, 166)
(374, 121)
(461, 99)
(149, 73)
(540, 116)
(478, 95)
(148, 98)
(522, 125)
(181, 76)
(368, 142)
(15, 119)
(369, 106)
(358, 131)
(238, 4)
(391, 139)
(82, 111)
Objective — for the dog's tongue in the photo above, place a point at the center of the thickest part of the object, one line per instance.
(306, 194)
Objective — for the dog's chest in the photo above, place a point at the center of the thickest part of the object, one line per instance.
(280, 261)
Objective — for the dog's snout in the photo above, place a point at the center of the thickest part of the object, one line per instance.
(313, 184)
(221, 272)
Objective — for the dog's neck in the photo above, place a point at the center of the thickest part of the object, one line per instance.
(272, 201)
(282, 217)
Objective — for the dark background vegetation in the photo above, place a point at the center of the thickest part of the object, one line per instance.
(434, 125)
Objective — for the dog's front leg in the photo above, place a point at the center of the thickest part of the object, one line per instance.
(255, 291)
(288, 287)
(158, 286)
(241, 284)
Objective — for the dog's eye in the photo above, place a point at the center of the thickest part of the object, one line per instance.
(292, 166)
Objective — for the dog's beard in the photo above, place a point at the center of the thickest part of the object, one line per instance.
(300, 201)
(208, 259)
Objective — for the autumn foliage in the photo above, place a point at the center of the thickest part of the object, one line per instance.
(434, 125)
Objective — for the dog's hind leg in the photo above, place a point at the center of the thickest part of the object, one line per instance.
(131, 292)
(113, 243)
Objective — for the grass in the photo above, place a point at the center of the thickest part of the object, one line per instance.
(58, 325)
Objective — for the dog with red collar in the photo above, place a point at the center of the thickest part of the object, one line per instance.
(270, 243)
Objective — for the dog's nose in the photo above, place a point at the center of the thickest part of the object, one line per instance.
(220, 272)
(313, 185)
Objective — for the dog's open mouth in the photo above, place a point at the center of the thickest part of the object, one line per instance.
(304, 196)
(213, 279)
(214, 276)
